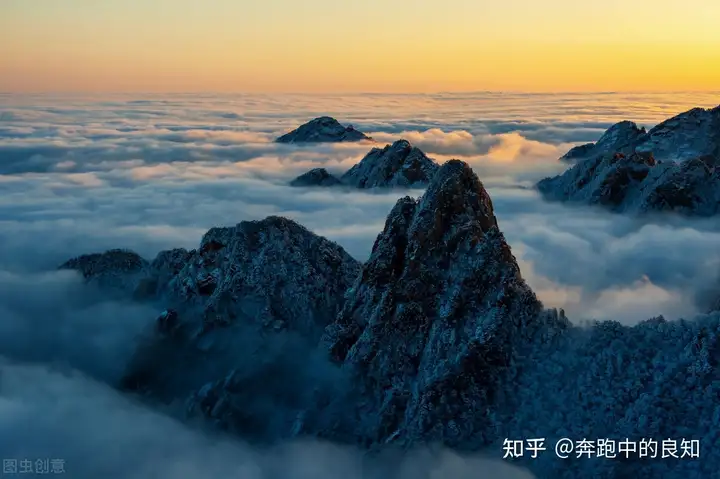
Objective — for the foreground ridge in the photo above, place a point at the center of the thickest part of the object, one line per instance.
(435, 317)
(436, 338)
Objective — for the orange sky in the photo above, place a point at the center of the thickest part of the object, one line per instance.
(376, 45)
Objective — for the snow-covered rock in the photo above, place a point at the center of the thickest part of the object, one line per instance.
(323, 129)
(690, 134)
(316, 177)
(437, 338)
(637, 183)
(619, 138)
(268, 276)
(435, 317)
(116, 270)
(396, 165)
(399, 165)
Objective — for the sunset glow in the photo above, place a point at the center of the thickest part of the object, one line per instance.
(332, 46)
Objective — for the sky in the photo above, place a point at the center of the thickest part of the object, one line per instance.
(326, 46)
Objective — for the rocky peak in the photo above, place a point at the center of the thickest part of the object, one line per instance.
(270, 275)
(578, 152)
(316, 177)
(435, 316)
(396, 165)
(691, 134)
(115, 269)
(621, 137)
(323, 129)
(638, 183)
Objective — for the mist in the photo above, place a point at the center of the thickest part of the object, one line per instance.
(80, 175)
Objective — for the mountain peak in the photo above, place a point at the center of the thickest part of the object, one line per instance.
(115, 269)
(690, 134)
(316, 177)
(323, 129)
(396, 165)
(440, 301)
(620, 137)
(455, 193)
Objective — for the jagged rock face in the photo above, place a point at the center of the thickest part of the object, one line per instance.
(637, 183)
(578, 152)
(166, 265)
(316, 177)
(619, 138)
(435, 316)
(396, 165)
(691, 188)
(269, 275)
(231, 278)
(116, 269)
(689, 135)
(322, 130)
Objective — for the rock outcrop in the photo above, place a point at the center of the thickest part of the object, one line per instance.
(256, 278)
(619, 138)
(116, 270)
(691, 134)
(637, 183)
(399, 165)
(435, 317)
(323, 129)
(396, 165)
(316, 177)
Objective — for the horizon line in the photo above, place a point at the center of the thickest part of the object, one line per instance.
(377, 93)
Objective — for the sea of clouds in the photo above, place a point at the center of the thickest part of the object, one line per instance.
(84, 174)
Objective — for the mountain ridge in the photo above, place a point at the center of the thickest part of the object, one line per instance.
(323, 129)
(396, 165)
(436, 338)
(672, 168)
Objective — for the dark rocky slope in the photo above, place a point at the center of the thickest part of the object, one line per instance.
(637, 183)
(673, 167)
(619, 138)
(437, 339)
(435, 318)
(316, 177)
(116, 270)
(323, 129)
(691, 134)
(399, 165)
(244, 281)
(396, 165)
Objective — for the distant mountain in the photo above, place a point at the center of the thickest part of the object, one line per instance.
(119, 270)
(316, 177)
(619, 138)
(323, 129)
(637, 183)
(399, 165)
(673, 167)
(396, 165)
(691, 134)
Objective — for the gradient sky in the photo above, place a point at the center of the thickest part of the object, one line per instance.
(370, 45)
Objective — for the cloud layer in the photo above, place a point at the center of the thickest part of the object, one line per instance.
(81, 175)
